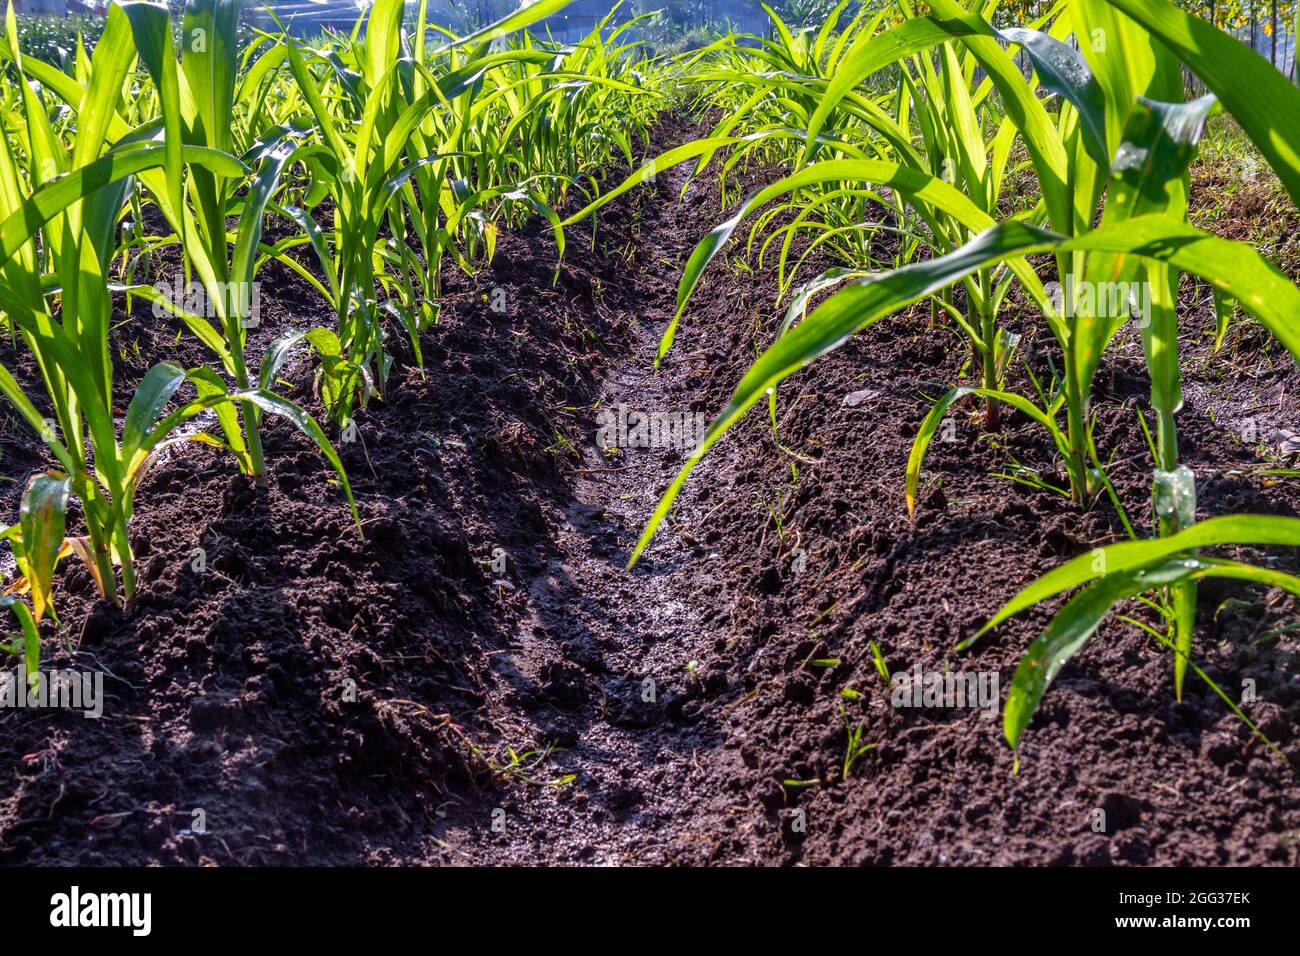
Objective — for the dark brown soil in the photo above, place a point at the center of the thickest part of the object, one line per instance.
(564, 710)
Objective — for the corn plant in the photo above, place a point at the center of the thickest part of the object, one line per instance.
(56, 244)
(1268, 109)
(363, 145)
(948, 105)
(1109, 575)
(199, 103)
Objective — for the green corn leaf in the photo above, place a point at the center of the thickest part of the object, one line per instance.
(1125, 60)
(1224, 307)
(1158, 146)
(325, 342)
(1022, 106)
(527, 14)
(311, 92)
(1079, 619)
(207, 384)
(869, 54)
(1063, 70)
(277, 353)
(650, 169)
(1234, 266)
(42, 517)
(1127, 555)
(317, 240)
(151, 27)
(30, 636)
(931, 425)
(209, 46)
(1251, 88)
(1149, 175)
(54, 197)
(97, 106)
(276, 154)
(151, 397)
(1070, 630)
(383, 31)
(1183, 597)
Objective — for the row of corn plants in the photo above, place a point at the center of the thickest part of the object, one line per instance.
(920, 114)
(389, 154)
(398, 150)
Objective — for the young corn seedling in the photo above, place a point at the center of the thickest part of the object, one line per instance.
(1129, 569)
(854, 749)
(364, 133)
(949, 106)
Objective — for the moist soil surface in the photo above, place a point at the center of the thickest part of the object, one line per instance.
(478, 680)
